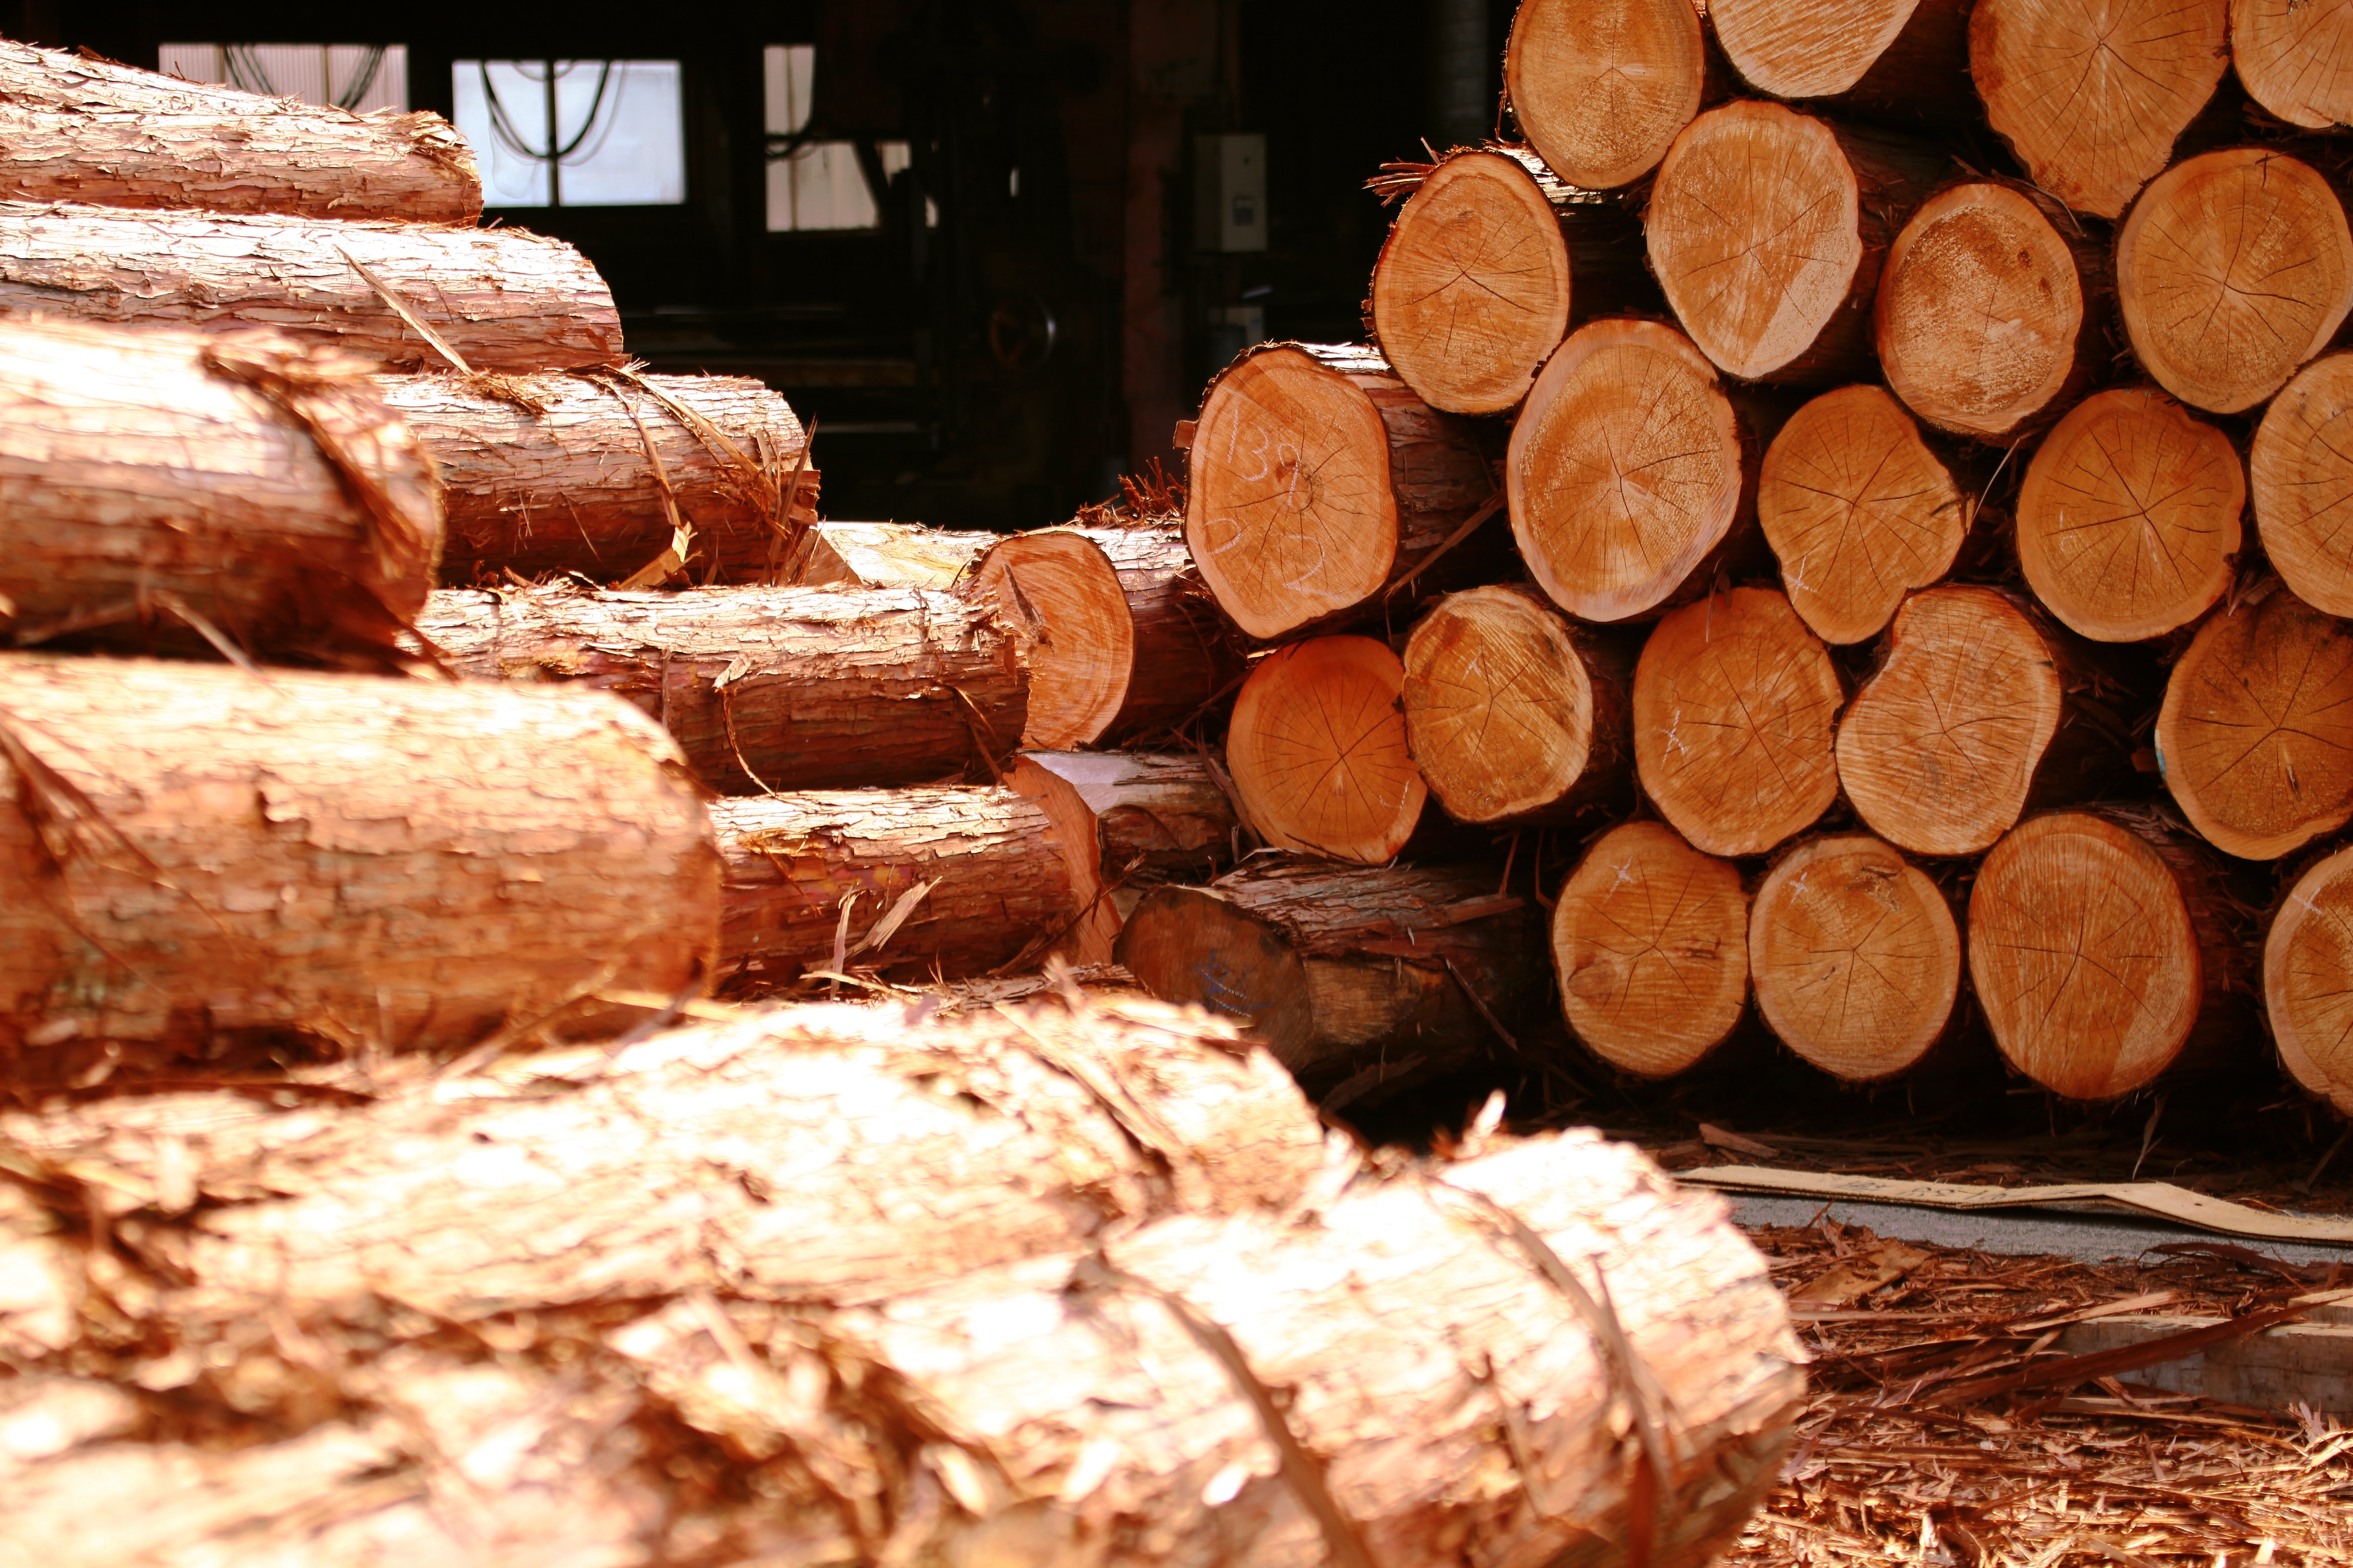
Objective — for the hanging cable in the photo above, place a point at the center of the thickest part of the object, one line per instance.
(503, 125)
(355, 91)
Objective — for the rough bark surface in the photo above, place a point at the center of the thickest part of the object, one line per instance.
(191, 855)
(2090, 94)
(1904, 60)
(2309, 980)
(1186, 653)
(1651, 941)
(1317, 480)
(504, 299)
(2296, 59)
(890, 555)
(155, 487)
(1317, 745)
(73, 128)
(768, 689)
(1599, 90)
(2232, 270)
(1859, 511)
(592, 473)
(2300, 476)
(1361, 981)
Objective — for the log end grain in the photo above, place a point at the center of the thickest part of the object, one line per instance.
(2308, 981)
(1317, 748)
(1601, 89)
(1092, 919)
(2296, 59)
(1807, 49)
(2300, 477)
(1651, 941)
(1061, 595)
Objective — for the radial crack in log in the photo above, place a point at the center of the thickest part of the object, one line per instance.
(2296, 59)
(2309, 980)
(1317, 746)
(2300, 475)
(1601, 89)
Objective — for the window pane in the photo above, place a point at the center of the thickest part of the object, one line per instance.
(502, 109)
(360, 77)
(823, 188)
(790, 71)
(628, 141)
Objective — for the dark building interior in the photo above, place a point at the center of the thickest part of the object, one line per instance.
(1038, 281)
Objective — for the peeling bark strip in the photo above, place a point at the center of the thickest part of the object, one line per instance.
(73, 128)
(505, 298)
(1601, 89)
(190, 854)
(994, 869)
(773, 688)
(549, 473)
(161, 490)
(1361, 981)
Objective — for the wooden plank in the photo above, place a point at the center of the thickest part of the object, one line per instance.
(2300, 1363)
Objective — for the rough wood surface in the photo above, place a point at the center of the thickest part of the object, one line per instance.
(1361, 981)
(2299, 478)
(781, 688)
(2128, 521)
(504, 299)
(1651, 942)
(561, 473)
(1734, 704)
(2233, 269)
(2309, 980)
(74, 128)
(1992, 310)
(1629, 475)
(1768, 229)
(2296, 59)
(1513, 714)
(1128, 822)
(2090, 94)
(156, 486)
(1977, 712)
(1317, 480)
(1859, 511)
(1599, 90)
(1889, 59)
(192, 857)
(1855, 956)
(1317, 747)
(995, 868)
(890, 555)
(2255, 736)
(2101, 948)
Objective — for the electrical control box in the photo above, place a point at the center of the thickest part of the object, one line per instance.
(1230, 191)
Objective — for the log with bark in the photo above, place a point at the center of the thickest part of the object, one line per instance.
(170, 491)
(193, 857)
(2255, 736)
(77, 128)
(2104, 948)
(1122, 639)
(1631, 476)
(1317, 480)
(1859, 510)
(1128, 821)
(595, 472)
(2090, 94)
(2299, 477)
(1601, 89)
(2307, 980)
(889, 555)
(1514, 715)
(2296, 59)
(1768, 229)
(1318, 751)
(1734, 704)
(2232, 270)
(503, 299)
(1491, 258)
(1993, 310)
(768, 689)
(1361, 979)
(1979, 711)
(1855, 956)
(2128, 517)
(1901, 60)
(1649, 939)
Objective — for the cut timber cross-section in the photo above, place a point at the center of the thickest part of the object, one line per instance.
(2090, 94)
(1734, 701)
(1317, 747)
(2233, 269)
(1628, 472)
(1057, 592)
(1128, 821)
(2300, 476)
(2129, 517)
(1650, 940)
(1601, 87)
(1855, 956)
(2295, 58)
(2256, 738)
(2309, 980)
(1768, 229)
(1858, 510)
(1514, 715)
(1981, 317)
(1893, 58)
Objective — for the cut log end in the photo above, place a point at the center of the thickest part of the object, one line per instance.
(1602, 89)
(1062, 597)
(2233, 269)
(2255, 737)
(1858, 510)
(2295, 58)
(1627, 470)
(2300, 476)
(1807, 49)
(1093, 918)
(2082, 955)
(1856, 957)
(1734, 703)
(2308, 981)
(2129, 517)
(1471, 290)
(1650, 940)
(1317, 749)
(1980, 311)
